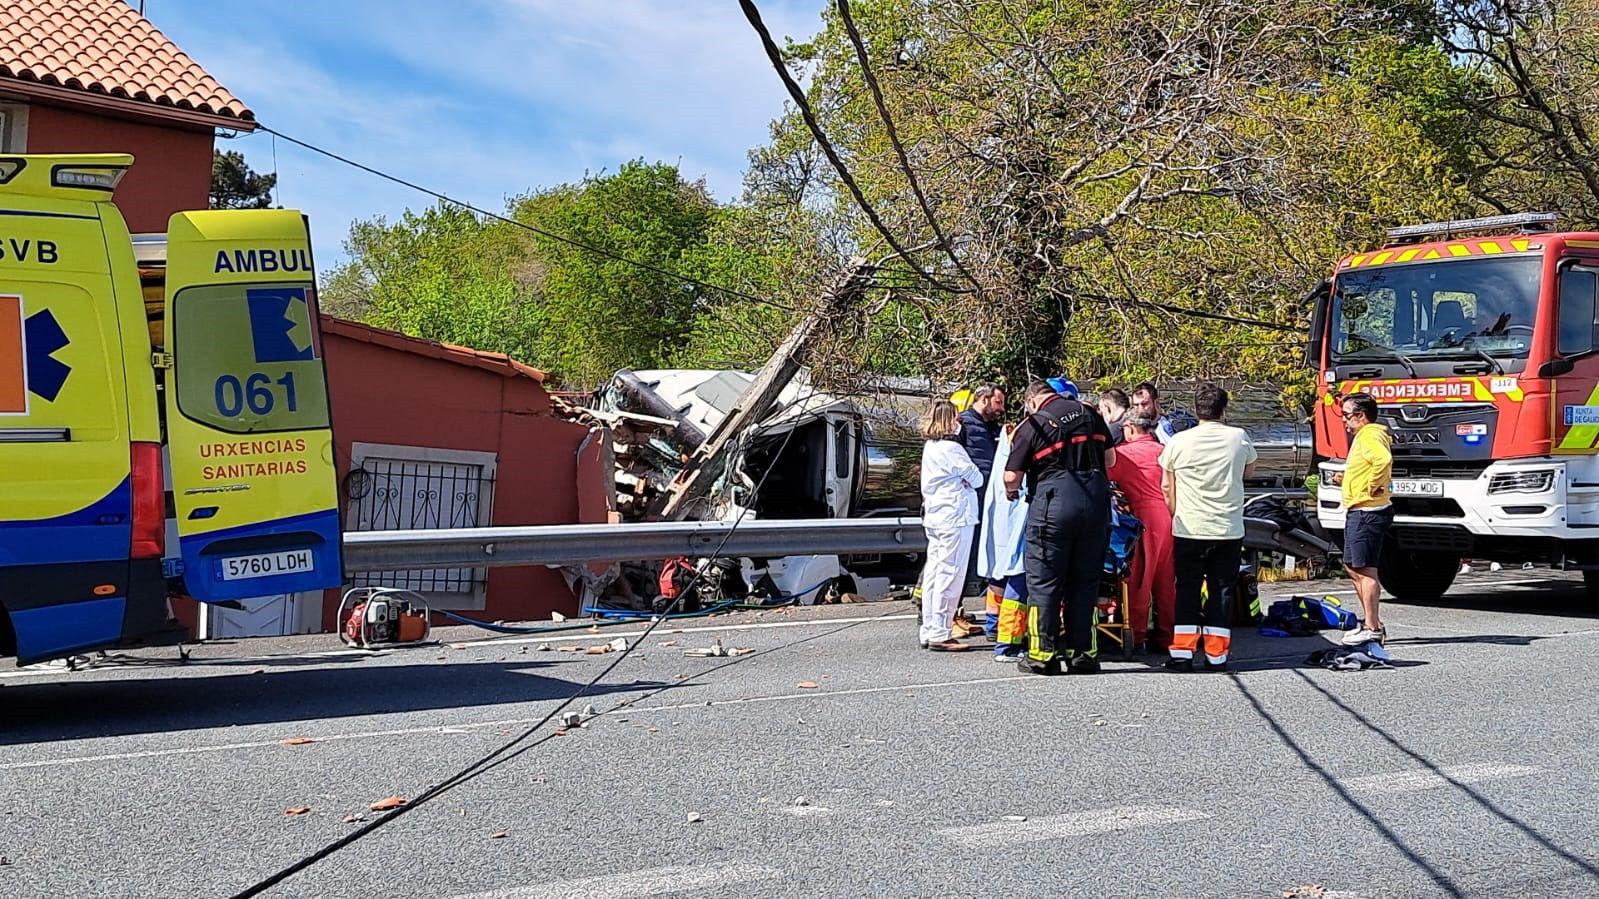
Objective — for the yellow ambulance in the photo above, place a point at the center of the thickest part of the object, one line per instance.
(207, 404)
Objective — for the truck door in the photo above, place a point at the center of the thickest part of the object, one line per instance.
(841, 452)
(1576, 398)
(248, 426)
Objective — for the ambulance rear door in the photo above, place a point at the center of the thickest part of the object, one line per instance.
(248, 425)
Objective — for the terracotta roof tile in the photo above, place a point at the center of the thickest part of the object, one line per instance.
(106, 47)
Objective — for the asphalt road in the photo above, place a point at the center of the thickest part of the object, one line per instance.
(1468, 770)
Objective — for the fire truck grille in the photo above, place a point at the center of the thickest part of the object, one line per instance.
(1443, 471)
(1427, 507)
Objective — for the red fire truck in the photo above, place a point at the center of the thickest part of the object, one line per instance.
(1479, 340)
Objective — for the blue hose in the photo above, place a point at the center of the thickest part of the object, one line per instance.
(775, 602)
(633, 615)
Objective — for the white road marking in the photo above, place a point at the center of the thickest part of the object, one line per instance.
(813, 694)
(258, 744)
(1074, 824)
(44, 669)
(1426, 779)
(468, 727)
(652, 882)
(808, 811)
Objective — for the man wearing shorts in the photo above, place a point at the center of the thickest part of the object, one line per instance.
(1367, 509)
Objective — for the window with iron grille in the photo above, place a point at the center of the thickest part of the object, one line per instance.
(421, 488)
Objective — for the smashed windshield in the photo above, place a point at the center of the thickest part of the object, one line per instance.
(1461, 307)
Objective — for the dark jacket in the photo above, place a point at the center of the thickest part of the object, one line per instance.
(981, 439)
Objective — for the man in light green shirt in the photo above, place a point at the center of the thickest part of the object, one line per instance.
(1203, 476)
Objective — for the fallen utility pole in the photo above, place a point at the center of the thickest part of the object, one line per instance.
(757, 400)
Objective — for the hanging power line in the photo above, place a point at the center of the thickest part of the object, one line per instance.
(504, 752)
(753, 14)
(893, 139)
(1191, 313)
(590, 248)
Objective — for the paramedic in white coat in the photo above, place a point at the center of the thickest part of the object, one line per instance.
(949, 515)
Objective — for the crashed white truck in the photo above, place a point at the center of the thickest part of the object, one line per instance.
(812, 455)
(819, 455)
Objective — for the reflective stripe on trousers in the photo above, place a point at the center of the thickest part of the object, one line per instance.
(1068, 528)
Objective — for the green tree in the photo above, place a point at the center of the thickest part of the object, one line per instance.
(560, 289)
(235, 186)
(441, 274)
(1099, 162)
(595, 312)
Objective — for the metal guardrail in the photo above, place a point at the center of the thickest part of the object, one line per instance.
(582, 543)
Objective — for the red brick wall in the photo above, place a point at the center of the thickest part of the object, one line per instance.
(171, 167)
(384, 395)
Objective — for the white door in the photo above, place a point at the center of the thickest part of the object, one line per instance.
(260, 616)
(842, 434)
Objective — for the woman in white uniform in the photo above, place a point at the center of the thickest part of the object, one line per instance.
(949, 516)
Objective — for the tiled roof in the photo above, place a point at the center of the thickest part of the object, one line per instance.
(105, 47)
(499, 363)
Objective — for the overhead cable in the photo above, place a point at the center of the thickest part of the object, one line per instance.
(893, 139)
(753, 14)
(600, 251)
(504, 752)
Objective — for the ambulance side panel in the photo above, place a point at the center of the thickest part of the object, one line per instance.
(77, 405)
(248, 423)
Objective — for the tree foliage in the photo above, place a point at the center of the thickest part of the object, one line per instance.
(596, 312)
(442, 274)
(235, 186)
(1101, 169)
(1100, 163)
(555, 284)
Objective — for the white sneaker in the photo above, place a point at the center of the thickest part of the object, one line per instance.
(1364, 634)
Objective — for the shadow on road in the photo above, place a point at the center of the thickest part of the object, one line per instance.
(1494, 639)
(1557, 597)
(1281, 664)
(1444, 882)
(1484, 802)
(43, 712)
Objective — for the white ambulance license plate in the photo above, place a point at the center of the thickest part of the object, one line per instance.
(294, 561)
(1418, 488)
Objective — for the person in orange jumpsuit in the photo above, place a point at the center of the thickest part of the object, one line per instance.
(1153, 576)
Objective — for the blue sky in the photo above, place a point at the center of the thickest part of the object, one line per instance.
(485, 100)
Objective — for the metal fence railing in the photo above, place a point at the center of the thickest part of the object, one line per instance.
(399, 550)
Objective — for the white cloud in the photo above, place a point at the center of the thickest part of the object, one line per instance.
(483, 100)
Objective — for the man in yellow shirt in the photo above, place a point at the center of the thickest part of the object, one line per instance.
(1367, 509)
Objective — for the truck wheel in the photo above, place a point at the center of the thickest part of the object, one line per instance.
(1415, 573)
(1590, 579)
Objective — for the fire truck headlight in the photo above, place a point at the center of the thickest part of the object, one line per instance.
(1521, 482)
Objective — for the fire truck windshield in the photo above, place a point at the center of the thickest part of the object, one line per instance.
(1453, 308)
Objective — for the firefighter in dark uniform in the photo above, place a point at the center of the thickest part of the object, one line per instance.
(1062, 449)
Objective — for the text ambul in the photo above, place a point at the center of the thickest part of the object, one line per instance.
(264, 260)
